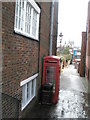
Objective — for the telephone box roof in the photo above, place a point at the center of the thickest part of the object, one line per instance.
(52, 57)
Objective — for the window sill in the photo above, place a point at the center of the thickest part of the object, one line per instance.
(25, 34)
(28, 79)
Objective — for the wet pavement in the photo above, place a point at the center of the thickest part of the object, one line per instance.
(72, 101)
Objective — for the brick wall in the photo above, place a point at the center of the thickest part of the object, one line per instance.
(88, 45)
(44, 32)
(20, 56)
(0, 58)
(55, 28)
(82, 62)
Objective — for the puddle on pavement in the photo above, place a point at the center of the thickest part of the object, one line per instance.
(71, 104)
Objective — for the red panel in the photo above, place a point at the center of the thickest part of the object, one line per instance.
(51, 74)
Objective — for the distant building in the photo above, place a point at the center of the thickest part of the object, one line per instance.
(85, 49)
(82, 62)
(76, 54)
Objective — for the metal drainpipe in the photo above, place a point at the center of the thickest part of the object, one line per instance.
(51, 27)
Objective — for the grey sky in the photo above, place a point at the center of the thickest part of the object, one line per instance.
(72, 20)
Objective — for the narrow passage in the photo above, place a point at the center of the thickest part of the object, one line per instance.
(72, 101)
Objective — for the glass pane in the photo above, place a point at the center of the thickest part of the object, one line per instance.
(28, 91)
(32, 88)
(29, 28)
(35, 15)
(17, 1)
(20, 12)
(22, 24)
(23, 95)
(22, 3)
(19, 24)
(16, 21)
(17, 9)
(34, 27)
(25, 27)
(28, 18)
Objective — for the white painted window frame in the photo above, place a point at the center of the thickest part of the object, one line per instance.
(37, 9)
(23, 84)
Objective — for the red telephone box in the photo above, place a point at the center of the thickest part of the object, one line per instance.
(51, 74)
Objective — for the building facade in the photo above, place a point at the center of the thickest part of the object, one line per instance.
(26, 27)
(82, 61)
(88, 45)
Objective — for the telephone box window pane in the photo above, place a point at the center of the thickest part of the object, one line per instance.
(50, 74)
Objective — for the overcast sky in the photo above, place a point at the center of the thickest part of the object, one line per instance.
(72, 20)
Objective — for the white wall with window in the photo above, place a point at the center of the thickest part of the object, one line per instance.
(28, 90)
(27, 18)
